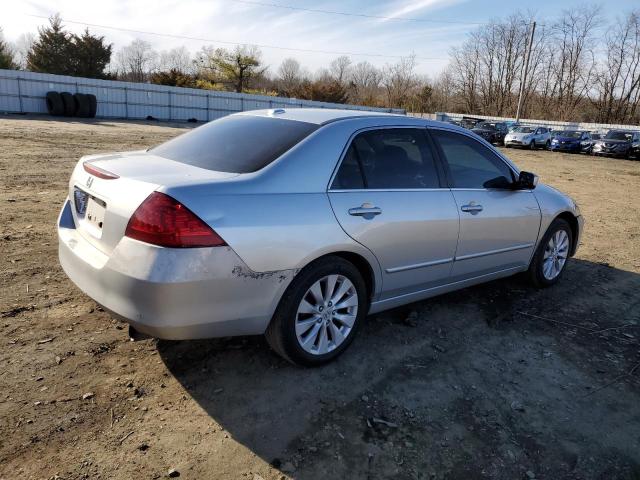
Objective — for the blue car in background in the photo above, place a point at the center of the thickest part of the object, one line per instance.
(574, 141)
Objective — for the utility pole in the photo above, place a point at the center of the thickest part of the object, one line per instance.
(523, 81)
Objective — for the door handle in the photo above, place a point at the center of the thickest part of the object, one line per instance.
(473, 208)
(366, 210)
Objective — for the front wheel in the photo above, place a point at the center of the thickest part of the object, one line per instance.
(552, 254)
(320, 313)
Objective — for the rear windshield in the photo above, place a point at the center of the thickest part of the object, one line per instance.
(236, 143)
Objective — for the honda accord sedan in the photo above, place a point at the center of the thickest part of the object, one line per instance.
(298, 223)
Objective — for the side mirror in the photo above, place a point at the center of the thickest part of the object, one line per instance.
(526, 181)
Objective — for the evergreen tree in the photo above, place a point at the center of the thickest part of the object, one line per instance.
(89, 55)
(6, 56)
(50, 52)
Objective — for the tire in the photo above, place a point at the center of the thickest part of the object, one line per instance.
(54, 104)
(84, 107)
(69, 103)
(532, 145)
(93, 105)
(281, 333)
(536, 272)
(547, 145)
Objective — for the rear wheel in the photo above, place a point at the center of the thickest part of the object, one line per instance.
(547, 145)
(532, 145)
(552, 254)
(320, 313)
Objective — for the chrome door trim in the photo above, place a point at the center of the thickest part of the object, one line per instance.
(387, 303)
(418, 265)
(494, 252)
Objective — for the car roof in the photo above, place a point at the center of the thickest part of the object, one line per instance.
(318, 116)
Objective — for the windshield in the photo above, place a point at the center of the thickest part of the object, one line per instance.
(570, 134)
(523, 130)
(487, 126)
(613, 135)
(236, 143)
(596, 136)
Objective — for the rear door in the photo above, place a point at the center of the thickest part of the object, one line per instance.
(498, 226)
(389, 195)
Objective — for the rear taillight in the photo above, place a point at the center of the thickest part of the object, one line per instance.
(162, 220)
(99, 172)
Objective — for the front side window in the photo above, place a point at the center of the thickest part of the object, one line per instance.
(471, 164)
(388, 159)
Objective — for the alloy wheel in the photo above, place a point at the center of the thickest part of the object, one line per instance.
(555, 254)
(326, 314)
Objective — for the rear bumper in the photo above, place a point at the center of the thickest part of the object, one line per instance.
(172, 293)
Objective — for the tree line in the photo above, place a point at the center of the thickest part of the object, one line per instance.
(580, 69)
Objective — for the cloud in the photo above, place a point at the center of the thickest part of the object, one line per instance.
(420, 5)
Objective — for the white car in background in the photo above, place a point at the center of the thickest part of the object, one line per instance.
(529, 137)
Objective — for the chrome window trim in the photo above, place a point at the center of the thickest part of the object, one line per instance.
(344, 154)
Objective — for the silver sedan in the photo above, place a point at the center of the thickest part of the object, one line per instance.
(299, 223)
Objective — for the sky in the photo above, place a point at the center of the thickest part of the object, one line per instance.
(434, 26)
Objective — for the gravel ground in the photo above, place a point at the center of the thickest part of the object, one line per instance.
(496, 381)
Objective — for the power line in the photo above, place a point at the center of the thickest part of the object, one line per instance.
(352, 14)
(210, 40)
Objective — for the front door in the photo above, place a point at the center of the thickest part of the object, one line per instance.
(388, 196)
(498, 225)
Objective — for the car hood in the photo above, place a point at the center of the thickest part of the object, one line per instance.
(612, 141)
(483, 130)
(518, 135)
(567, 139)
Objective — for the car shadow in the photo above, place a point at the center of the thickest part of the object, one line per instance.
(273, 408)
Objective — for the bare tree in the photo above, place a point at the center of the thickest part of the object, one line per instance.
(574, 63)
(290, 75)
(619, 79)
(136, 61)
(339, 69)
(398, 80)
(365, 83)
(178, 59)
(21, 48)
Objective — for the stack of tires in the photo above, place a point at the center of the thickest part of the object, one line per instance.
(65, 104)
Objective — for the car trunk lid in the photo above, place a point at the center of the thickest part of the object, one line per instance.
(106, 194)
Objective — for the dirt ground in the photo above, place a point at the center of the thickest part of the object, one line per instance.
(496, 381)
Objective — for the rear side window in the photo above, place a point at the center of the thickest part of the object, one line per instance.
(388, 159)
(236, 144)
(471, 164)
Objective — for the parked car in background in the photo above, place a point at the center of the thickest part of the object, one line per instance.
(618, 143)
(511, 125)
(469, 122)
(554, 133)
(492, 132)
(573, 141)
(528, 137)
(298, 223)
